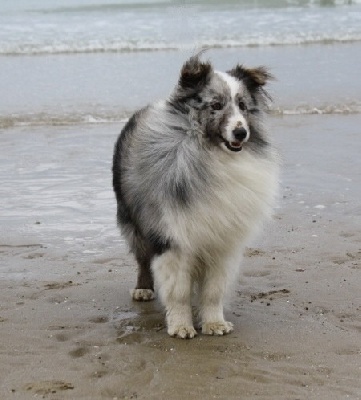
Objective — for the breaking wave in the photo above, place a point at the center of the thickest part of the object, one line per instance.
(9, 49)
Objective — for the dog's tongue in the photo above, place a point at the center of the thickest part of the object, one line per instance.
(236, 144)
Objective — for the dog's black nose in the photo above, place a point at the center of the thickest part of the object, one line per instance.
(239, 134)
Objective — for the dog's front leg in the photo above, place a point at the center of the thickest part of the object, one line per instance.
(172, 275)
(212, 290)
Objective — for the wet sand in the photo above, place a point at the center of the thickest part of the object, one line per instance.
(68, 329)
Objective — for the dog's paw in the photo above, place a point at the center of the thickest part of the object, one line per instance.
(182, 332)
(142, 294)
(217, 328)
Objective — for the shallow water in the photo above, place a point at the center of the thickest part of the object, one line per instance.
(93, 88)
(56, 188)
(96, 61)
(46, 195)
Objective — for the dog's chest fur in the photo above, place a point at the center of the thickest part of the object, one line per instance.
(240, 193)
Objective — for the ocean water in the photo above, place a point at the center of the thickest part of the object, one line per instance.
(52, 27)
(88, 61)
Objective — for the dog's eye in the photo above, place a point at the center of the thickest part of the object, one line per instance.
(242, 106)
(217, 106)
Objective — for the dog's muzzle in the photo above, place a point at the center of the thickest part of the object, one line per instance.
(239, 135)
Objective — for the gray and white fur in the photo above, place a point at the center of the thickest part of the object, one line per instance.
(194, 177)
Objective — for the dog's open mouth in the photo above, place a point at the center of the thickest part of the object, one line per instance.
(233, 146)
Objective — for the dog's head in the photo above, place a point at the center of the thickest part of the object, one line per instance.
(225, 105)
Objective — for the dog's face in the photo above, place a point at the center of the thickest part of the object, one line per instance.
(226, 106)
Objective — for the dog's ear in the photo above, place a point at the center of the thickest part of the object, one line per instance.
(252, 77)
(194, 74)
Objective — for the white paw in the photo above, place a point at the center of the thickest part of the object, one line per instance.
(182, 332)
(142, 294)
(217, 328)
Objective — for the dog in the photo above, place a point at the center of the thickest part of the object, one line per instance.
(194, 177)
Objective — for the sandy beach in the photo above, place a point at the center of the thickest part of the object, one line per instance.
(69, 330)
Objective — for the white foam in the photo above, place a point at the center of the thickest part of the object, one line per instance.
(110, 115)
(353, 107)
(50, 30)
(110, 46)
(65, 119)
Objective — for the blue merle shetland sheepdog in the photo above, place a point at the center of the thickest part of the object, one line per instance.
(194, 177)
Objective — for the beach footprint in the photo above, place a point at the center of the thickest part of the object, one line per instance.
(47, 387)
